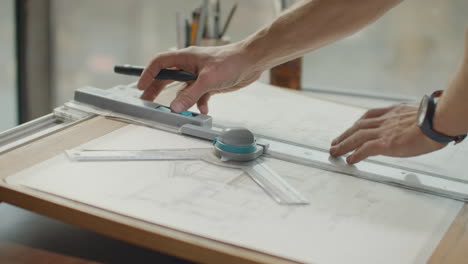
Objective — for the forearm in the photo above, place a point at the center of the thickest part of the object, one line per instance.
(451, 117)
(310, 25)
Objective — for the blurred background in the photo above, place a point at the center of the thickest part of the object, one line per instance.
(51, 47)
(8, 91)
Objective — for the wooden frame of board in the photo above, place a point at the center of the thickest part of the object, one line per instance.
(453, 248)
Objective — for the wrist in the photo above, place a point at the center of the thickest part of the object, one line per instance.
(236, 59)
(448, 116)
(444, 123)
(438, 129)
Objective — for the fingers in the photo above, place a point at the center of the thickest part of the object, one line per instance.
(202, 103)
(370, 119)
(154, 89)
(354, 141)
(159, 62)
(388, 131)
(370, 148)
(190, 95)
(376, 112)
(360, 124)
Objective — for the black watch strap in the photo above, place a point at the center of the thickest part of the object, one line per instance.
(427, 125)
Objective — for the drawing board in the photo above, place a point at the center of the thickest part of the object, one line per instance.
(349, 220)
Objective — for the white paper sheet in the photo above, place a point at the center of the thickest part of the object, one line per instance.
(279, 113)
(349, 220)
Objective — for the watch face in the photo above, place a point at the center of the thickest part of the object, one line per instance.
(422, 110)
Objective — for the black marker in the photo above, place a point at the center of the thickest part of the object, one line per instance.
(164, 74)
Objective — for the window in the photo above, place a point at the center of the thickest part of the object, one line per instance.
(413, 50)
(8, 96)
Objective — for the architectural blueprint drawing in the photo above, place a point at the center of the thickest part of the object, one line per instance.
(348, 220)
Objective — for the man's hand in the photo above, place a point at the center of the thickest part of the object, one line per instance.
(219, 69)
(390, 131)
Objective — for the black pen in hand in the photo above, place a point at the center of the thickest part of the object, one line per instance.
(164, 74)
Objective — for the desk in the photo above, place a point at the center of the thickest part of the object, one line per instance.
(452, 249)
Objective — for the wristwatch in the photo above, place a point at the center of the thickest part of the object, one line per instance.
(425, 120)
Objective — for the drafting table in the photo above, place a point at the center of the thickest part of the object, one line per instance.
(452, 247)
